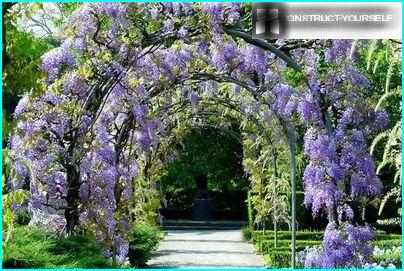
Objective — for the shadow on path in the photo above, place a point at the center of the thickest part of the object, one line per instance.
(205, 249)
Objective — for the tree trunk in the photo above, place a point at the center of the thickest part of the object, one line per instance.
(72, 198)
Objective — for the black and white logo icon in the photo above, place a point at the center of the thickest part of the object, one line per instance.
(268, 20)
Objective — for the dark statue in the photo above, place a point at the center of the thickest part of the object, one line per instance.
(203, 204)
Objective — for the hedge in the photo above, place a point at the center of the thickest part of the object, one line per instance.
(395, 257)
(268, 245)
(279, 257)
(302, 235)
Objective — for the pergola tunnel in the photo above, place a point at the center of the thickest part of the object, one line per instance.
(161, 111)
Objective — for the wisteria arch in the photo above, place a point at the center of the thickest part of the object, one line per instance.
(87, 135)
(207, 107)
(226, 101)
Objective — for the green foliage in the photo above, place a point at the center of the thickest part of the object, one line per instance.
(250, 209)
(147, 202)
(80, 251)
(293, 77)
(389, 243)
(23, 216)
(278, 259)
(395, 257)
(32, 247)
(22, 73)
(286, 235)
(206, 151)
(391, 142)
(382, 65)
(267, 246)
(66, 9)
(268, 167)
(145, 242)
(10, 217)
(300, 209)
(247, 233)
(386, 236)
(383, 68)
(29, 248)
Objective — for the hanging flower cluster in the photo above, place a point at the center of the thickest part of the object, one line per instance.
(340, 172)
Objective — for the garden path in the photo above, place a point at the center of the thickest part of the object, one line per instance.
(205, 249)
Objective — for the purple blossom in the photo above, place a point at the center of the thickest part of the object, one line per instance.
(122, 249)
(310, 57)
(16, 207)
(80, 45)
(309, 110)
(340, 50)
(254, 59)
(345, 246)
(21, 106)
(270, 76)
(194, 98)
(214, 10)
(182, 33)
(140, 112)
(223, 55)
(155, 13)
(74, 84)
(168, 25)
(54, 60)
(356, 78)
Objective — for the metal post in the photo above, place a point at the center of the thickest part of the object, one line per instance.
(275, 202)
(293, 185)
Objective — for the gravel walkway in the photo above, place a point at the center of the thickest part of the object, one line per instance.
(205, 249)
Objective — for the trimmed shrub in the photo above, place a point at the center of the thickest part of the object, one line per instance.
(389, 243)
(247, 234)
(23, 217)
(387, 236)
(29, 248)
(278, 259)
(82, 251)
(33, 247)
(286, 235)
(394, 257)
(145, 242)
(267, 246)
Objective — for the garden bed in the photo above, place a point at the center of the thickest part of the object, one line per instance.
(386, 246)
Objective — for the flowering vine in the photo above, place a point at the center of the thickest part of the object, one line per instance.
(99, 133)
